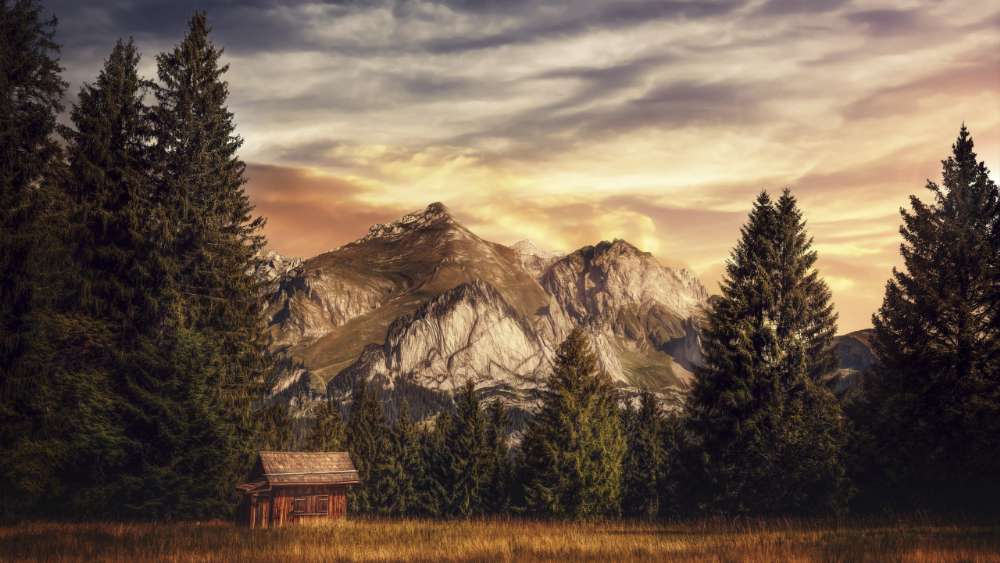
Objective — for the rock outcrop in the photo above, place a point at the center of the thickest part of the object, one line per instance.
(532, 259)
(469, 332)
(645, 312)
(855, 356)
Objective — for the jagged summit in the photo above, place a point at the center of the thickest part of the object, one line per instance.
(532, 259)
(528, 247)
(434, 214)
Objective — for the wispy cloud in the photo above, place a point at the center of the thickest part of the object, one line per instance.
(570, 121)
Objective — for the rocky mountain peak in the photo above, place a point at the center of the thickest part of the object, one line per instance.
(528, 247)
(434, 214)
(532, 259)
(273, 266)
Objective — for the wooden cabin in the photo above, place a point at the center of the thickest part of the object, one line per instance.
(293, 487)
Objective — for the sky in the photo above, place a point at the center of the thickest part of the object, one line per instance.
(575, 121)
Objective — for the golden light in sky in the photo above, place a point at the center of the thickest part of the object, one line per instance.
(571, 122)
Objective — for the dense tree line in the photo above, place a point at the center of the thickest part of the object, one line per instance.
(133, 349)
(133, 356)
(760, 432)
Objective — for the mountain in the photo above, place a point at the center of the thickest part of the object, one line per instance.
(855, 355)
(532, 259)
(421, 305)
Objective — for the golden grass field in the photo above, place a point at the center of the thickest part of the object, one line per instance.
(507, 540)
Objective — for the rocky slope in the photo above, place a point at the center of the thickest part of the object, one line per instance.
(534, 260)
(421, 305)
(854, 357)
(623, 294)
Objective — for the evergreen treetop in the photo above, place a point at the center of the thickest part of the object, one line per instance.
(767, 436)
(934, 395)
(574, 446)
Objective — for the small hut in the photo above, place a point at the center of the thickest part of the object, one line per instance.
(293, 487)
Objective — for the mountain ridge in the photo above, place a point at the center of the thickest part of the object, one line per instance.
(333, 313)
(420, 305)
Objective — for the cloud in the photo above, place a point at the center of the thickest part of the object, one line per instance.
(572, 121)
(887, 22)
(573, 18)
(968, 75)
(787, 7)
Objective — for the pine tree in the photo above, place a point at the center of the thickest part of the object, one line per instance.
(372, 450)
(433, 482)
(110, 188)
(31, 89)
(328, 432)
(110, 306)
(498, 469)
(466, 456)
(644, 459)
(675, 476)
(574, 446)
(30, 99)
(934, 396)
(769, 436)
(208, 244)
(406, 445)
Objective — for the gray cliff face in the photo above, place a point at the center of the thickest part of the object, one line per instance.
(644, 313)
(599, 281)
(422, 305)
(310, 303)
(274, 267)
(467, 333)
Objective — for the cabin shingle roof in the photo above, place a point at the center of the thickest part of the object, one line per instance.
(314, 468)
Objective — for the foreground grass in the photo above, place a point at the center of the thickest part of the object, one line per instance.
(514, 540)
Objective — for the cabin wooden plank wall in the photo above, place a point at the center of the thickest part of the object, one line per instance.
(291, 505)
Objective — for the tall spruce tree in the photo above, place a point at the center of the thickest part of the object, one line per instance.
(645, 459)
(934, 396)
(434, 481)
(112, 305)
(574, 445)
(369, 441)
(498, 470)
(769, 436)
(31, 89)
(465, 457)
(675, 477)
(191, 398)
(407, 444)
(216, 237)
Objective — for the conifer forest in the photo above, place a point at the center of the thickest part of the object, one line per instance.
(152, 345)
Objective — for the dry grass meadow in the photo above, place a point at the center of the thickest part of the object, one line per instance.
(513, 540)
